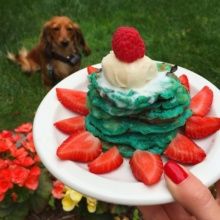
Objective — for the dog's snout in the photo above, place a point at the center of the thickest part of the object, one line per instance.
(64, 43)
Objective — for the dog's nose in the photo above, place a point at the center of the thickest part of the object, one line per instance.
(64, 43)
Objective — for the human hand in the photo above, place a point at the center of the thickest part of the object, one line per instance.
(194, 201)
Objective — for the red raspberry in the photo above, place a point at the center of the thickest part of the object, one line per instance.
(127, 44)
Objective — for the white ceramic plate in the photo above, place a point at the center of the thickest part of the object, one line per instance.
(118, 186)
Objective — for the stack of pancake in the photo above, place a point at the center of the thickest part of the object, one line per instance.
(133, 119)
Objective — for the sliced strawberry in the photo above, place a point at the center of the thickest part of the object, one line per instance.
(201, 127)
(146, 167)
(73, 100)
(71, 125)
(184, 81)
(92, 69)
(184, 150)
(106, 162)
(83, 147)
(202, 101)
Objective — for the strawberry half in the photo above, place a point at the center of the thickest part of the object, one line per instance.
(184, 81)
(106, 162)
(82, 147)
(92, 69)
(202, 101)
(201, 127)
(184, 150)
(73, 100)
(146, 167)
(71, 125)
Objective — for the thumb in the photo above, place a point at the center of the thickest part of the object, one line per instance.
(190, 192)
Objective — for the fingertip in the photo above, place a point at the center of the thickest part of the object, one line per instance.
(189, 191)
(175, 172)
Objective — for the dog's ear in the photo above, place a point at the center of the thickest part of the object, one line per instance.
(45, 37)
(79, 38)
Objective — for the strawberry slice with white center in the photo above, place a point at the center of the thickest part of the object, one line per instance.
(92, 69)
(201, 127)
(106, 162)
(202, 101)
(71, 125)
(74, 100)
(184, 150)
(83, 147)
(146, 167)
(184, 81)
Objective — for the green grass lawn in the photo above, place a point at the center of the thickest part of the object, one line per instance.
(183, 32)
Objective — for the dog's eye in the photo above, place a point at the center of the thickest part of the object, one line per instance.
(56, 28)
(69, 29)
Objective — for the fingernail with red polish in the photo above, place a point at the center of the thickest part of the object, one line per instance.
(175, 172)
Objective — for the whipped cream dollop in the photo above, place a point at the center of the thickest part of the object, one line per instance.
(128, 75)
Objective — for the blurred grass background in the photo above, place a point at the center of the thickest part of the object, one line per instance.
(184, 32)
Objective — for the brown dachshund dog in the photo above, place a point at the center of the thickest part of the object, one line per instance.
(58, 53)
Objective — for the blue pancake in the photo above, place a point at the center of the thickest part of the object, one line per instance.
(133, 120)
